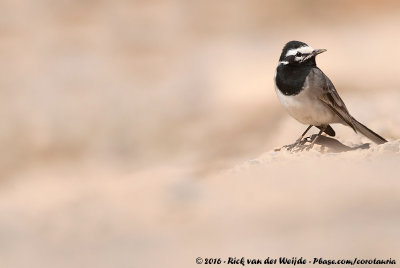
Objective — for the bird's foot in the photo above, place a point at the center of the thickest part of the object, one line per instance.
(326, 143)
(298, 146)
(305, 144)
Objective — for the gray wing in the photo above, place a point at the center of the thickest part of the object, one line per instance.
(329, 96)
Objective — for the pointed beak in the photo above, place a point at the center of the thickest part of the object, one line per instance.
(318, 51)
(313, 54)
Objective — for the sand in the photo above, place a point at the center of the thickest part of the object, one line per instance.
(280, 204)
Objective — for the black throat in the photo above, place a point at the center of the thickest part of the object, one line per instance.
(290, 78)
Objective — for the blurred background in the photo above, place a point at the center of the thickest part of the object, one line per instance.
(100, 97)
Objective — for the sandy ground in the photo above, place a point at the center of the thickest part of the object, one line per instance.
(280, 204)
(331, 206)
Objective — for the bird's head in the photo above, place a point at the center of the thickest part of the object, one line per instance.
(299, 53)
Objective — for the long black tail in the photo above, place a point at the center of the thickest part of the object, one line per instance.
(367, 132)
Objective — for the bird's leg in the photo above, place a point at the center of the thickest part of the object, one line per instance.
(290, 147)
(323, 128)
(304, 133)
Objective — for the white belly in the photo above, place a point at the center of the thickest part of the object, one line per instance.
(307, 109)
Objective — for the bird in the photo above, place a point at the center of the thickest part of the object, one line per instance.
(310, 97)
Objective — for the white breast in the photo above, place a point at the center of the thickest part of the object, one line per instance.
(307, 108)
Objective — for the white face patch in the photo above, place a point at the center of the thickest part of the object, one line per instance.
(284, 62)
(302, 50)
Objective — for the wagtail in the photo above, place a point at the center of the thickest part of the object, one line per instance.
(309, 95)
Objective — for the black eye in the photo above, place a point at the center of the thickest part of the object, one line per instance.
(298, 54)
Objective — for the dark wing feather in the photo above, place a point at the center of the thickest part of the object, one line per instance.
(329, 130)
(332, 99)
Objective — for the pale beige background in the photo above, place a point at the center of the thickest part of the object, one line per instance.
(118, 118)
